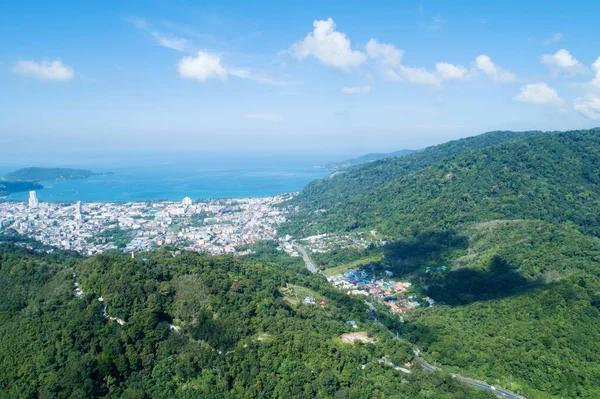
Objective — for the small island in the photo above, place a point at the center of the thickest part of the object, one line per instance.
(48, 174)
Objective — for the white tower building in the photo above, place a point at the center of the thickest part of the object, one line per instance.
(33, 201)
(187, 201)
(78, 210)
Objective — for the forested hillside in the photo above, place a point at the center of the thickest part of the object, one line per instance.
(190, 326)
(351, 163)
(367, 179)
(517, 223)
(513, 216)
(553, 177)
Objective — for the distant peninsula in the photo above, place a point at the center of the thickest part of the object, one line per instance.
(48, 174)
(349, 163)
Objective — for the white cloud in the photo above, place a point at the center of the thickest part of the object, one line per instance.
(557, 37)
(499, 75)
(202, 67)
(264, 117)
(174, 43)
(388, 58)
(588, 105)
(448, 71)
(538, 93)
(205, 66)
(596, 69)
(44, 70)
(387, 54)
(162, 39)
(418, 76)
(356, 89)
(331, 48)
(389, 61)
(443, 72)
(258, 78)
(562, 61)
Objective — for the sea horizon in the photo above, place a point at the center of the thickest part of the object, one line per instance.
(200, 178)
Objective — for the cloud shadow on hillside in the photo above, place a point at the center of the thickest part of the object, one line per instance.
(431, 248)
(468, 285)
(454, 287)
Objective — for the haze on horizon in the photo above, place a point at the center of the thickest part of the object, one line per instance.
(272, 78)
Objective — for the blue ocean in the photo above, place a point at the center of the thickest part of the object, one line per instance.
(162, 177)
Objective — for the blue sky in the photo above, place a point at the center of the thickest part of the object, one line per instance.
(311, 77)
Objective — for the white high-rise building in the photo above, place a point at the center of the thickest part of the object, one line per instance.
(78, 210)
(187, 201)
(33, 201)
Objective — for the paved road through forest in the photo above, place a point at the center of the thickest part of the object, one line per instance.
(309, 265)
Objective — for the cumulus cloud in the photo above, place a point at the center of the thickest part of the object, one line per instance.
(562, 61)
(448, 71)
(206, 66)
(499, 75)
(443, 72)
(330, 47)
(45, 70)
(264, 117)
(596, 68)
(356, 89)
(202, 67)
(389, 61)
(539, 93)
(387, 56)
(418, 76)
(588, 106)
(557, 37)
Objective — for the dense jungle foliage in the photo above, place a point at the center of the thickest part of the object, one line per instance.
(516, 220)
(514, 216)
(194, 326)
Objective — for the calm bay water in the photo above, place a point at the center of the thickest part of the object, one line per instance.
(201, 177)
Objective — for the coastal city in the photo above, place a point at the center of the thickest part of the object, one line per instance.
(215, 227)
(220, 226)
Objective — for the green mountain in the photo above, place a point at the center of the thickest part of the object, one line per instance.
(365, 179)
(45, 174)
(522, 307)
(349, 163)
(191, 326)
(552, 177)
(513, 216)
(515, 219)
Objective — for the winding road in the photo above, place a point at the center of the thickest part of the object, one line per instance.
(499, 392)
(309, 265)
